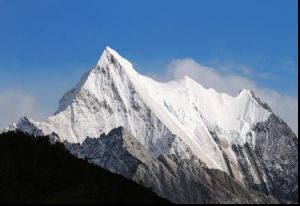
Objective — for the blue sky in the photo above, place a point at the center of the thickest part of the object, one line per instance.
(45, 46)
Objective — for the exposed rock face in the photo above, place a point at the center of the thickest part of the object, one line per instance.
(179, 138)
(270, 165)
(179, 180)
(276, 151)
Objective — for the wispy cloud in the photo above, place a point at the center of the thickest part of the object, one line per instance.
(284, 106)
(242, 70)
(15, 104)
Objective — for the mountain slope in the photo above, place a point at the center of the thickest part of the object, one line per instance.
(178, 117)
(34, 171)
(178, 180)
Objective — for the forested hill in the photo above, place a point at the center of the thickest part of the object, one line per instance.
(34, 171)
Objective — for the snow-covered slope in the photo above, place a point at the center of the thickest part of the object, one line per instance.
(214, 126)
(113, 94)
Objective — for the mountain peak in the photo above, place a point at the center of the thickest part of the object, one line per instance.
(112, 57)
(106, 57)
(109, 62)
(108, 49)
(110, 52)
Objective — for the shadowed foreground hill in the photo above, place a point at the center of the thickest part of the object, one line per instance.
(34, 171)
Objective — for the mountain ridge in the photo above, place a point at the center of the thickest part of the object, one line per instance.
(218, 129)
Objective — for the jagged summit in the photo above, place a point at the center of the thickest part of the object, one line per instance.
(110, 58)
(111, 63)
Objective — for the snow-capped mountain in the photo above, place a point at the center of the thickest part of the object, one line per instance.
(178, 123)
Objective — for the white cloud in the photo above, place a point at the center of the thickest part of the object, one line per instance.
(15, 104)
(284, 106)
